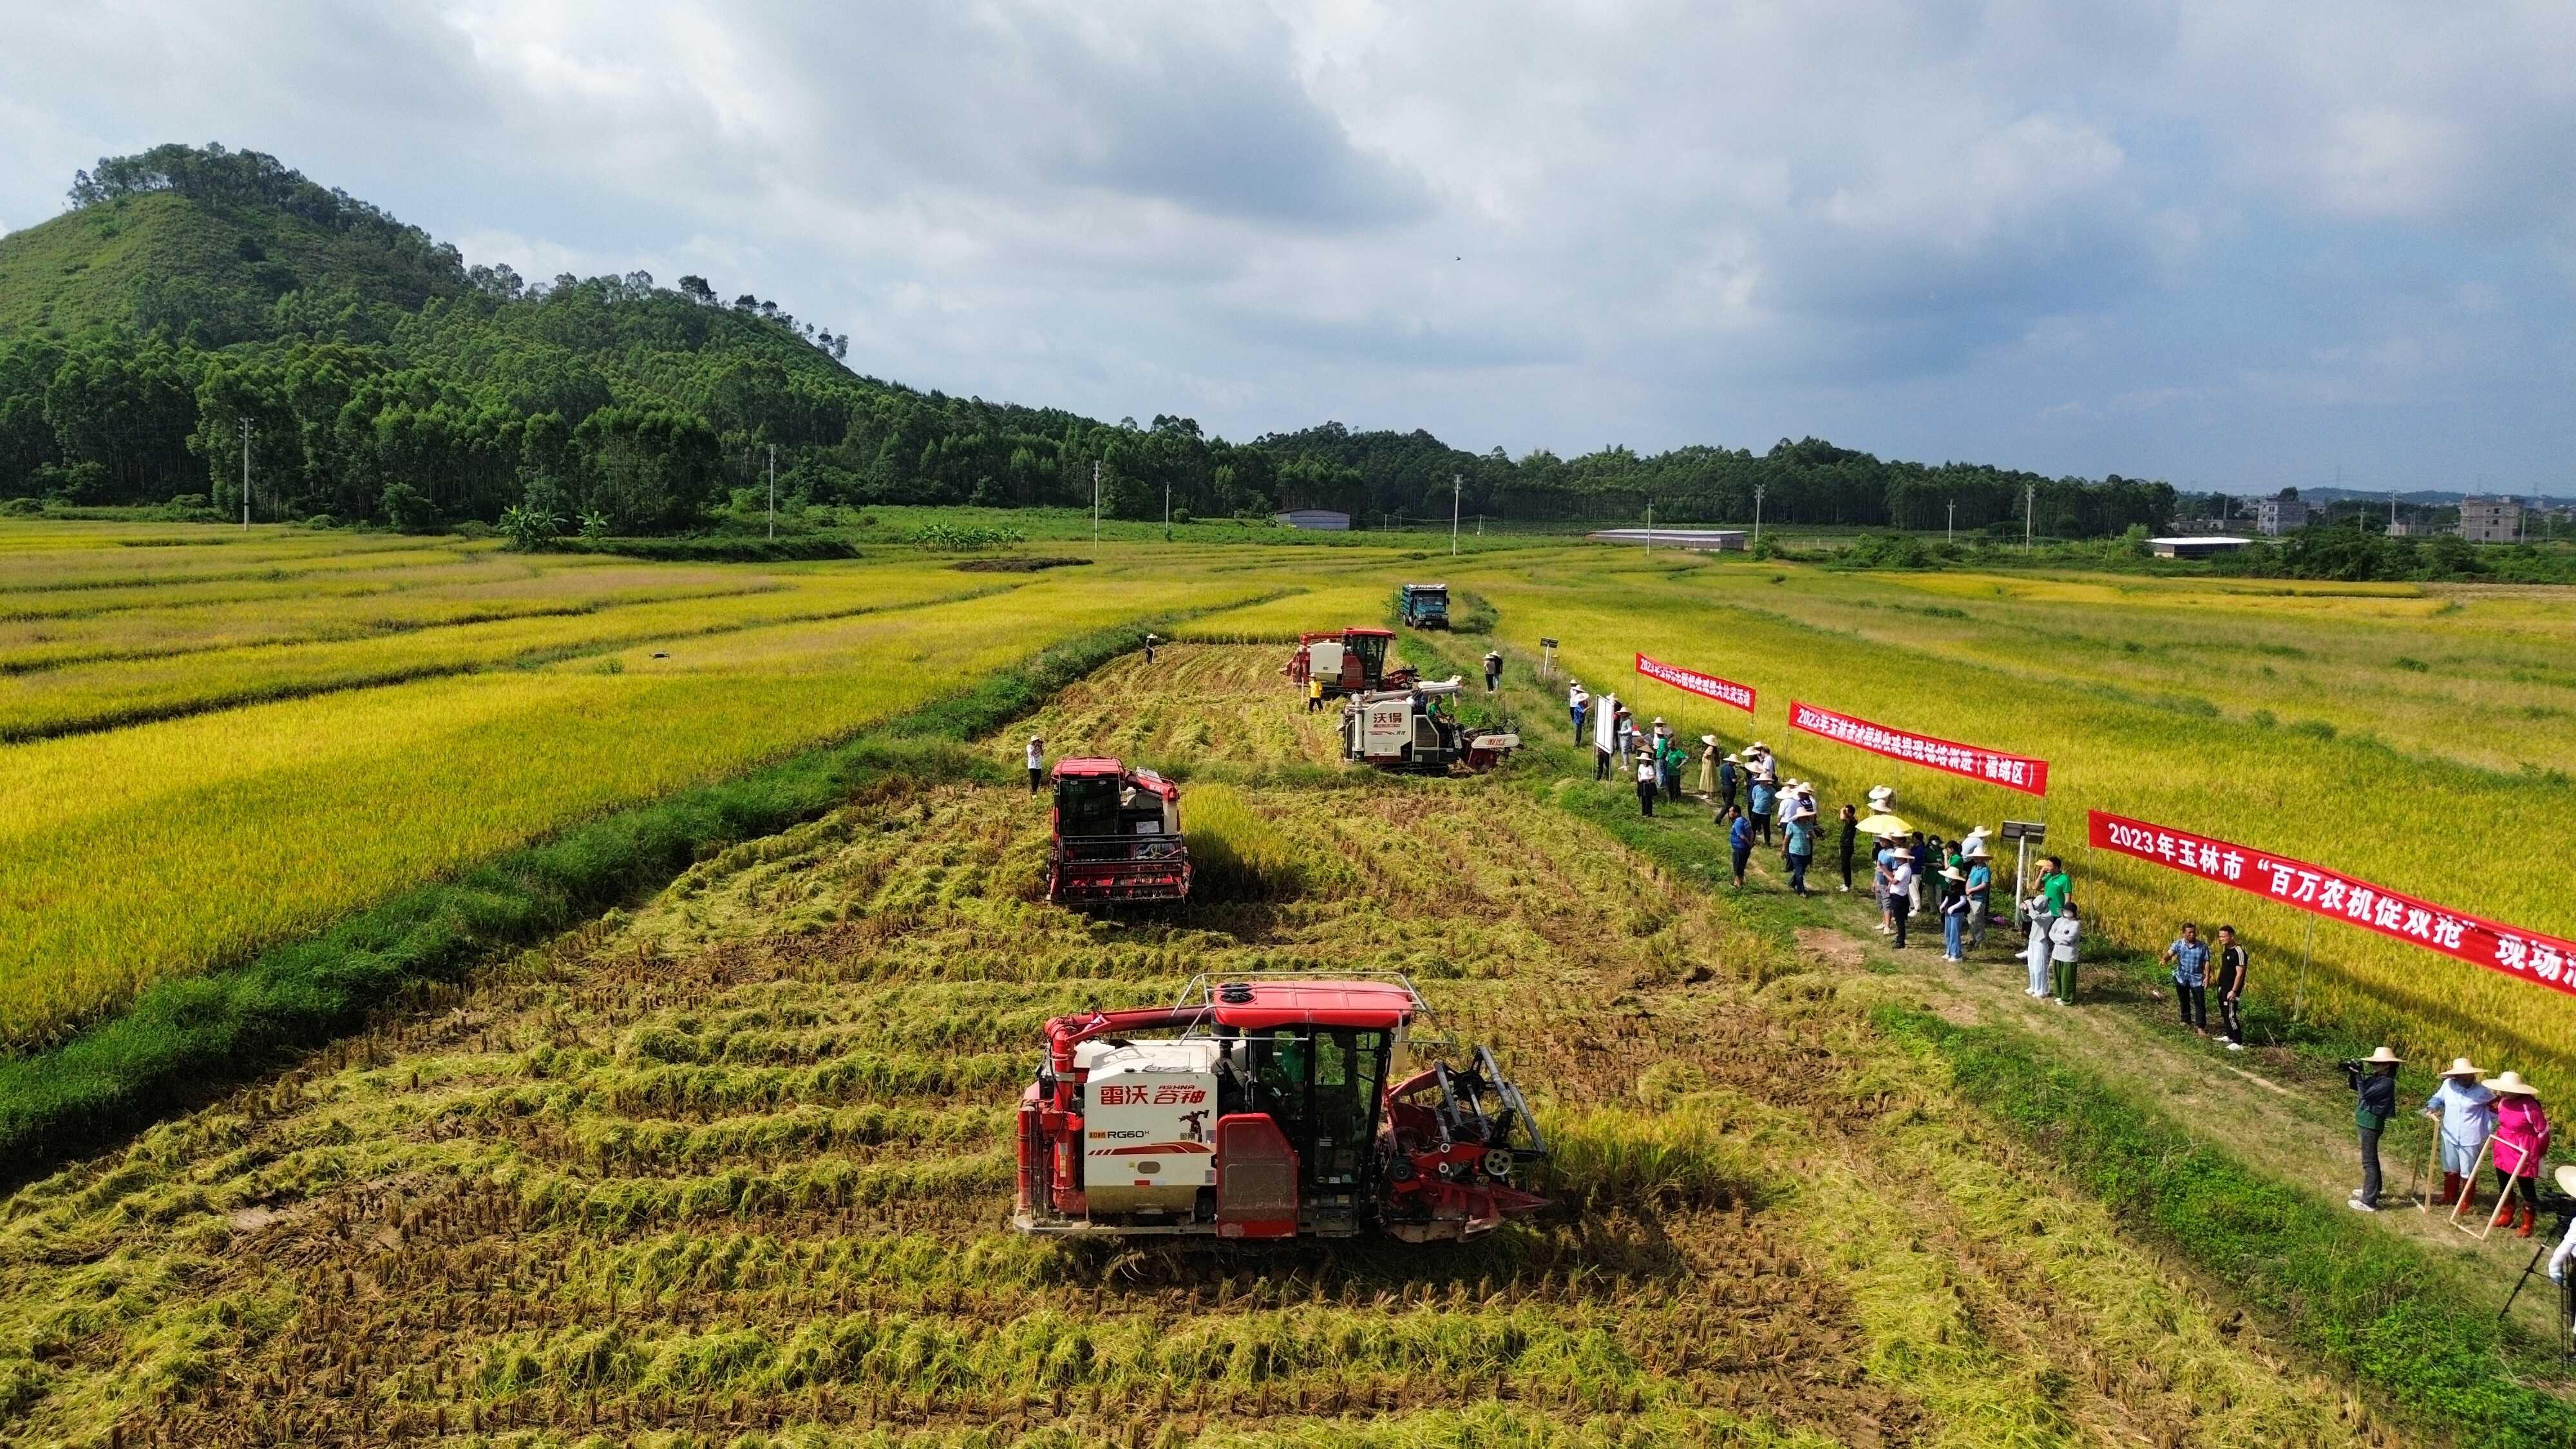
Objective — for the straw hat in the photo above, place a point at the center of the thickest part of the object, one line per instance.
(2384, 1057)
(2460, 1067)
(1708, 739)
(1659, 719)
(1732, 760)
(2566, 1180)
(1974, 848)
(1952, 872)
(1757, 745)
(1881, 792)
(2511, 1084)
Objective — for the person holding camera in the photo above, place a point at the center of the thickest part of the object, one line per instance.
(2374, 1083)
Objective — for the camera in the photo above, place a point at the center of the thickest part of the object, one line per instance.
(2354, 1071)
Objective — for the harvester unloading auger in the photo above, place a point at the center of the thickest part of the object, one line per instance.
(1271, 1106)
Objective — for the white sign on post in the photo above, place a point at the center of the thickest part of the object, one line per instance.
(1605, 715)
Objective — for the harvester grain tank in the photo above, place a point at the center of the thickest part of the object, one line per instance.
(1348, 661)
(1423, 606)
(1272, 1106)
(1117, 836)
(1414, 730)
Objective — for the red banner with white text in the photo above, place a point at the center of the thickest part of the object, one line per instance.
(2313, 888)
(1706, 686)
(2013, 772)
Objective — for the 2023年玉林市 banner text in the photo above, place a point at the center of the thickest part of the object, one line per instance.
(1691, 681)
(1975, 762)
(2527, 955)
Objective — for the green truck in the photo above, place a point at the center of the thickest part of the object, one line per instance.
(1424, 606)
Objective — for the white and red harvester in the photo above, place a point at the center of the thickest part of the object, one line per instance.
(1348, 661)
(1117, 836)
(1271, 1106)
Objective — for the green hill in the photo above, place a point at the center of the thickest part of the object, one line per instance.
(190, 290)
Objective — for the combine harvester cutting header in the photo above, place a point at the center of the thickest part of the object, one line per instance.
(1273, 1108)
(1117, 836)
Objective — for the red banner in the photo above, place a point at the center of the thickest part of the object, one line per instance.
(1707, 686)
(2313, 888)
(2013, 772)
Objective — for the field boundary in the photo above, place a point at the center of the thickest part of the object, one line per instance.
(184, 1039)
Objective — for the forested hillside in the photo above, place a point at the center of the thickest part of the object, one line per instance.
(192, 295)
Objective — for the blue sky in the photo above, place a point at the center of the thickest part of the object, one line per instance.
(2226, 245)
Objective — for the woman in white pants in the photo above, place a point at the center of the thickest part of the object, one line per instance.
(2035, 955)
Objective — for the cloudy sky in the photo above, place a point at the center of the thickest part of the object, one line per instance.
(2225, 244)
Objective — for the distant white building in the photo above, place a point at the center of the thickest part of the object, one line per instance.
(1325, 519)
(2280, 515)
(2491, 520)
(2198, 545)
(1704, 540)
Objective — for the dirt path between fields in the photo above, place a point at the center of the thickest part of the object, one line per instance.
(2264, 1104)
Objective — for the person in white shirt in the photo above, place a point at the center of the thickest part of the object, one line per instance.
(1900, 889)
(2464, 1114)
(1646, 785)
(2566, 1251)
(1037, 762)
(2062, 936)
(2035, 953)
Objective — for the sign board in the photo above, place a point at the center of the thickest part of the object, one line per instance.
(1691, 681)
(1976, 762)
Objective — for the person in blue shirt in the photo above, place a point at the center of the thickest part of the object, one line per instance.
(1739, 840)
(2189, 957)
(1801, 840)
(1981, 887)
(1765, 801)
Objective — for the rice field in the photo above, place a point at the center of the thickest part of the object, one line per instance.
(2412, 736)
(733, 1170)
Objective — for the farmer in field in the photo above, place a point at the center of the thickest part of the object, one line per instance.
(2521, 1141)
(1981, 889)
(1739, 840)
(1037, 762)
(1850, 839)
(2189, 958)
(1764, 799)
(2233, 970)
(1647, 789)
(1150, 642)
(2463, 1114)
(1900, 893)
(1883, 857)
(1708, 767)
(1579, 705)
(2374, 1085)
(1493, 670)
(1315, 694)
(2063, 935)
(1800, 840)
(1954, 913)
(1676, 760)
(1727, 770)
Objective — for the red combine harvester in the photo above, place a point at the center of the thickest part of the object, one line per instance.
(1352, 661)
(1272, 1106)
(1117, 836)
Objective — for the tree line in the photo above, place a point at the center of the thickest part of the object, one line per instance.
(458, 391)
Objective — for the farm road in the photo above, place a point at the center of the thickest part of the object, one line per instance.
(2264, 1104)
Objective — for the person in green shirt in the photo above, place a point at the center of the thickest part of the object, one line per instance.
(2054, 884)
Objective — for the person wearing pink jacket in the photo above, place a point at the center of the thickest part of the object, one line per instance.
(2520, 1141)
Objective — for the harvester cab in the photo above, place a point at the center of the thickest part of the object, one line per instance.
(1271, 1106)
(1424, 606)
(1416, 729)
(1351, 661)
(1117, 836)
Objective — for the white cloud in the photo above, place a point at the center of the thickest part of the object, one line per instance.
(1918, 227)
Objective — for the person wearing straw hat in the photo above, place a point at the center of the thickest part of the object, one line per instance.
(1799, 839)
(2463, 1113)
(1578, 704)
(1037, 762)
(1493, 670)
(1882, 799)
(1954, 913)
(1708, 767)
(1646, 787)
(1900, 892)
(2374, 1085)
(2521, 1141)
(2566, 1252)
(1764, 798)
(1676, 756)
(1729, 770)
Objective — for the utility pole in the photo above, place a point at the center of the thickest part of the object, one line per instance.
(245, 427)
(1167, 508)
(2029, 506)
(1952, 536)
(1650, 516)
(773, 490)
(1757, 513)
(1095, 500)
(1456, 483)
